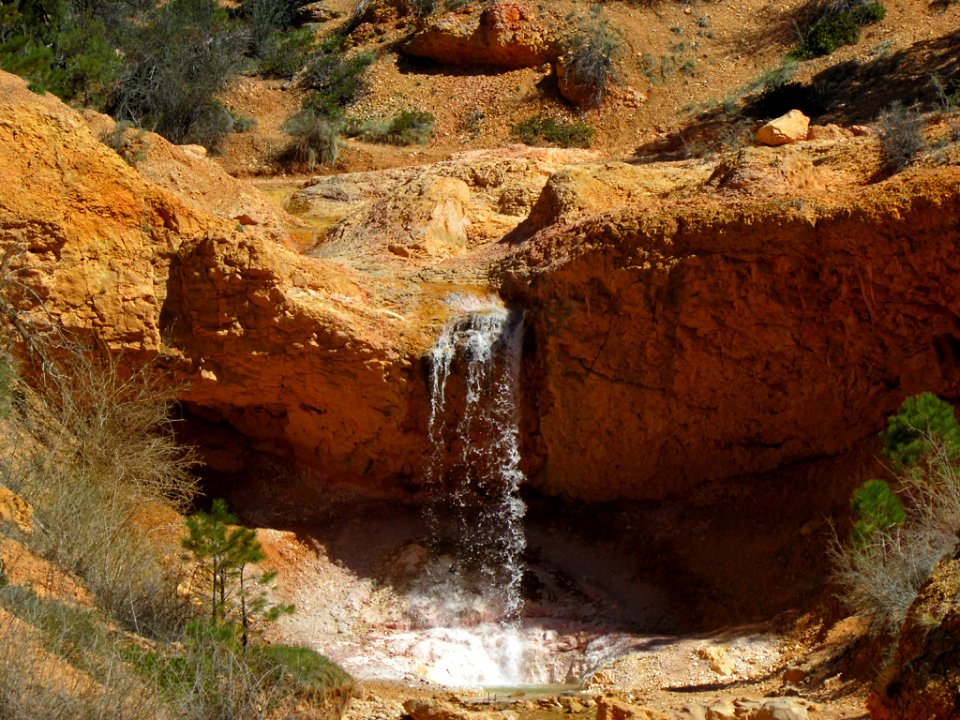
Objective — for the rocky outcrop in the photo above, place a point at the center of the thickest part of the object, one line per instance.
(502, 34)
(923, 678)
(680, 329)
(785, 129)
(279, 345)
(186, 172)
(430, 218)
(694, 340)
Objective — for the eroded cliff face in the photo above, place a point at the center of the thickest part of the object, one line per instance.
(307, 358)
(686, 322)
(701, 339)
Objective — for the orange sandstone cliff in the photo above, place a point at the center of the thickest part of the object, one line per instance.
(686, 323)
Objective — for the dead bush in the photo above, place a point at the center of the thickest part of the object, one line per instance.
(91, 447)
(901, 136)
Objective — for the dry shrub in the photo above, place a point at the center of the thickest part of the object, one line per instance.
(89, 446)
(56, 663)
(882, 575)
(901, 136)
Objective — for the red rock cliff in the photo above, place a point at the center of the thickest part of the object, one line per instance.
(694, 340)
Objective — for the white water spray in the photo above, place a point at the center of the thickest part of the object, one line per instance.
(474, 478)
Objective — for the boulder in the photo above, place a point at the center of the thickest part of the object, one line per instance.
(502, 34)
(781, 708)
(612, 708)
(785, 129)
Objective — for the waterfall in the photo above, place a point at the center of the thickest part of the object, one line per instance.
(473, 479)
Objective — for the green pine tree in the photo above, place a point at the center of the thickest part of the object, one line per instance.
(225, 551)
(921, 418)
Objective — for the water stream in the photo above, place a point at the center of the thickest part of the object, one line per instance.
(472, 588)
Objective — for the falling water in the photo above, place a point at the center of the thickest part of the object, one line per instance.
(474, 479)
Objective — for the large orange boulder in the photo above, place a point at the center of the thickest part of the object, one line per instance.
(503, 34)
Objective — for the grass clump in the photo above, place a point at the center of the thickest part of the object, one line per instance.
(541, 130)
(901, 136)
(127, 141)
(409, 127)
(837, 23)
(313, 139)
(590, 61)
(898, 537)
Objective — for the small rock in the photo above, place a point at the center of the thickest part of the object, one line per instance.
(783, 708)
(785, 129)
(610, 708)
(717, 659)
(723, 710)
(794, 675)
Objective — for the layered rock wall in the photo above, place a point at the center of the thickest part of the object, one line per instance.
(704, 339)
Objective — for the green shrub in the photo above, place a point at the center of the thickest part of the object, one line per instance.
(876, 508)
(305, 672)
(212, 676)
(895, 545)
(59, 48)
(409, 127)
(540, 130)
(838, 23)
(901, 136)
(283, 53)
(177, 61)
(334, 79)
(591, 58)
(266, 18)
(922, 419)
(313, 139)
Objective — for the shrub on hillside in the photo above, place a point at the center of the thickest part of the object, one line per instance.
(540, 130)
(409, 127)
(313, 139)
(591, 59)
(265, 18)
(89, 448)
(59, 47)
(837, 23)
(895, 545)
(901, 136)
(178, 60)
(284, 53)
(334, 79)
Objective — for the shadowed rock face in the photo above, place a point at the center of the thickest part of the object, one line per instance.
(695, 341)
